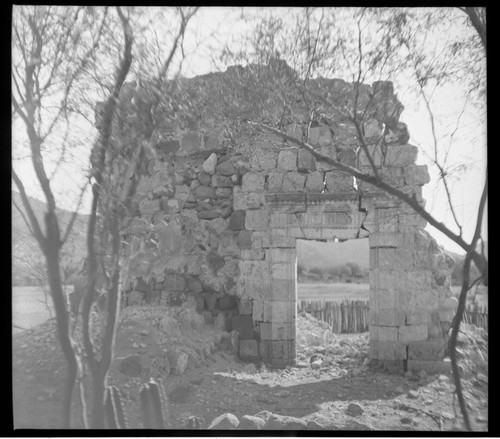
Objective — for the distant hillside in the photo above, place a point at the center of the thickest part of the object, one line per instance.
(28, 263)
(330, 254)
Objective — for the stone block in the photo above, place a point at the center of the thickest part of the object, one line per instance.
(305, 160)
(244, 325)
(249, 349)
(330, 233)
(430, 366)
(373, 129)
(254, 200)
(237, 220)
(244, 239)
(408, 221)
(387, 317)
(239, 199)
(223, 192)
(283, 350)
(384, 298)
(427, 350)
(312, 232)
(253, 254)
(245, 306)
(221, 322)
(168, 146)
(336, 219)
(228, 245)
(265, 350)
(417, 288)
(257, 220)
(287, 160)
(208, 318)
(320, 135)
(210, 300)
(387, 350)
(400, 155)
(293, 182)
(226, 302)
(385, 240)
(384, 258)
(175, 282)
(210, 163)
(315, 182)
(283, 312)
(204, 192)
(194, 285)
(257, 310)
(221, 181)
(284, 290)
(375, 151)
(260, 239)
(392, 366)
(204, 178)
(279, 239)
(265, 331)
(226, 168)
(281, 255)
(386, 220)
(191, 142)
(215, 261)
(295, 131)
(283, 331)
(264, 159)
(257, 289)
(210, 142)
(256, 271)
(417, 316)
(283, 271)
(384, 333)
(253, 182)
(312, 218)
(412, 333)
(275, 182)
(283, 220)
(338, 181)
(384, 279)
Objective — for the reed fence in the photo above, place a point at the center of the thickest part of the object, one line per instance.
(353, 316)
(476, 315)
(345, 317)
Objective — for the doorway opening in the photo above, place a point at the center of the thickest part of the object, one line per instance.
(333, 294)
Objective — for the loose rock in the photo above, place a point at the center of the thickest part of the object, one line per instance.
(227, 421)
(248, 422)
(354, 410)
(279, 422)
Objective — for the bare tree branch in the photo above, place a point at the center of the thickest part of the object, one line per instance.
(37, 231)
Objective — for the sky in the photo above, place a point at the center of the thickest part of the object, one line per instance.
(213, 27)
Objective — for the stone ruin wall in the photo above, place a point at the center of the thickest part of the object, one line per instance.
(216, 229)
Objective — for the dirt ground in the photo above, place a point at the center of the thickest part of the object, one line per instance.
(333, 387)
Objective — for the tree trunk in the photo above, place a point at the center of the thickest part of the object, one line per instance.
(63, 330)
(99, 385)
(462, 300)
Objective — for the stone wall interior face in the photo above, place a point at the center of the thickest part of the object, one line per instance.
(220, 224)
